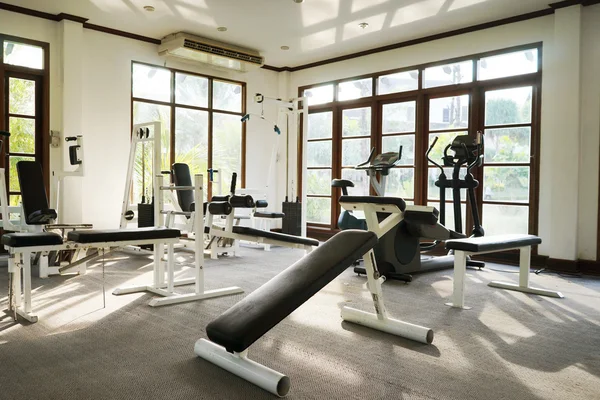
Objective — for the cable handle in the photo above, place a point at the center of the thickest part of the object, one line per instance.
(233, 183)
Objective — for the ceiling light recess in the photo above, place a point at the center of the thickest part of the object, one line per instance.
(285, 47)
(222, 29)
(149, 8)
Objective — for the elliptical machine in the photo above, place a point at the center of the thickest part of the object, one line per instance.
(381, 163)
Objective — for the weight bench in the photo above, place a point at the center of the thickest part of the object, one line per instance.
(463, 248)
(22, 245)
(234, 331)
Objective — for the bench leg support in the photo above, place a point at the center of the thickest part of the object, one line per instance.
(17, 265)
(460, 275)
(238, 364)
(380, 320)
(523, 286)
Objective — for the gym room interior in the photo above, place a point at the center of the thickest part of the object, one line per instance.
(310, 199)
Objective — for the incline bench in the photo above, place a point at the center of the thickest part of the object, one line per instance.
(234, 331)
(489, 244)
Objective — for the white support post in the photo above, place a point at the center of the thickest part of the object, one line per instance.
(380, 321)
(43, 265)
(199, 227)
(460, 273)
(523, 286)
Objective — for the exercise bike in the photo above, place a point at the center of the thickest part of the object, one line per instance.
(398, 253)
(375, 164)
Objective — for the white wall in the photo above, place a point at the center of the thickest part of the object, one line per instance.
(590, 133)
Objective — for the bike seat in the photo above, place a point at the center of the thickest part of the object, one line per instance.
(342, 183)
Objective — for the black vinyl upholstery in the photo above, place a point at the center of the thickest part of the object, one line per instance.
(493, 243)
(121, 235)
(33, 193)
(183, 177)
(31, 239)
(261, 204)
(282, 237)
(244, 323)
(396, 201)
(264, 214)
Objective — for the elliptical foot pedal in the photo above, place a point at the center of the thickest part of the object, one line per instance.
(475, 264)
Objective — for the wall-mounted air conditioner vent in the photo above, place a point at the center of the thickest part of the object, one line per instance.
(206, 51)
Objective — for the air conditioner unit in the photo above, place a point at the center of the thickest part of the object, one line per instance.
(206, 51)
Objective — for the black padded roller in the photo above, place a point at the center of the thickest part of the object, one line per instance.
(220, 208)
(220, 198)
(242, 201)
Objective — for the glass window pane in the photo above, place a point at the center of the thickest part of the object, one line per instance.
(393, 143)
(13, 185)
(501, 219)
(400, 183)
(320, 125)
(318, 154)
(511, 64)
(450, 215)
(191, 90)
(15, 200)
(433, 192)
(146, 112)
(450, 74)
(318, 210)
(399, 82)
(227, 149)
(319, 95)
(227, 96)
(508, 106)
(360, 180)
(318, 181)
(449, 113)
(355, 151)
(22, 135)
(151, 83)
(399, 117)
(507, 145)
(356, 122)
(444, 139)
(506, 184)
(21, 96)
(355, 89)
(191, 140)
(23, 55)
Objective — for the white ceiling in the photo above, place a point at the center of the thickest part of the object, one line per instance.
(314, 30)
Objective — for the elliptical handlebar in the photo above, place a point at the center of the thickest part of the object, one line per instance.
(429, 151)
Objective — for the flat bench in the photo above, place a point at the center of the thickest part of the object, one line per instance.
(22, 245)
(463, 248)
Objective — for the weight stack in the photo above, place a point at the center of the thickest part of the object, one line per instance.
(292, 221)
(146, 219)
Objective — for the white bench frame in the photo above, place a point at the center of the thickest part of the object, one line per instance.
(19, 264)
(460, 272)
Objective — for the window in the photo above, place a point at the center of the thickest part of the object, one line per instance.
(201, 119)
(23, 83)
(411, 107)
(507, 167)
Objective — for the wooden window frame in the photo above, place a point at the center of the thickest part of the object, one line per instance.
(42, 79)
(173, 106)
(422, 95)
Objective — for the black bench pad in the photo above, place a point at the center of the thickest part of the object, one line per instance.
(244, 323)
(493, 243)
(397, 201)
(282, 237)
(265, 214)
(31, 239)
(122, 235)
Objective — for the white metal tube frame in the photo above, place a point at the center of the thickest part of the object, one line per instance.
(460, 271)
(159, 282)
(239, 364)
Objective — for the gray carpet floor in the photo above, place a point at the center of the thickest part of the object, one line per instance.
(508, 346)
